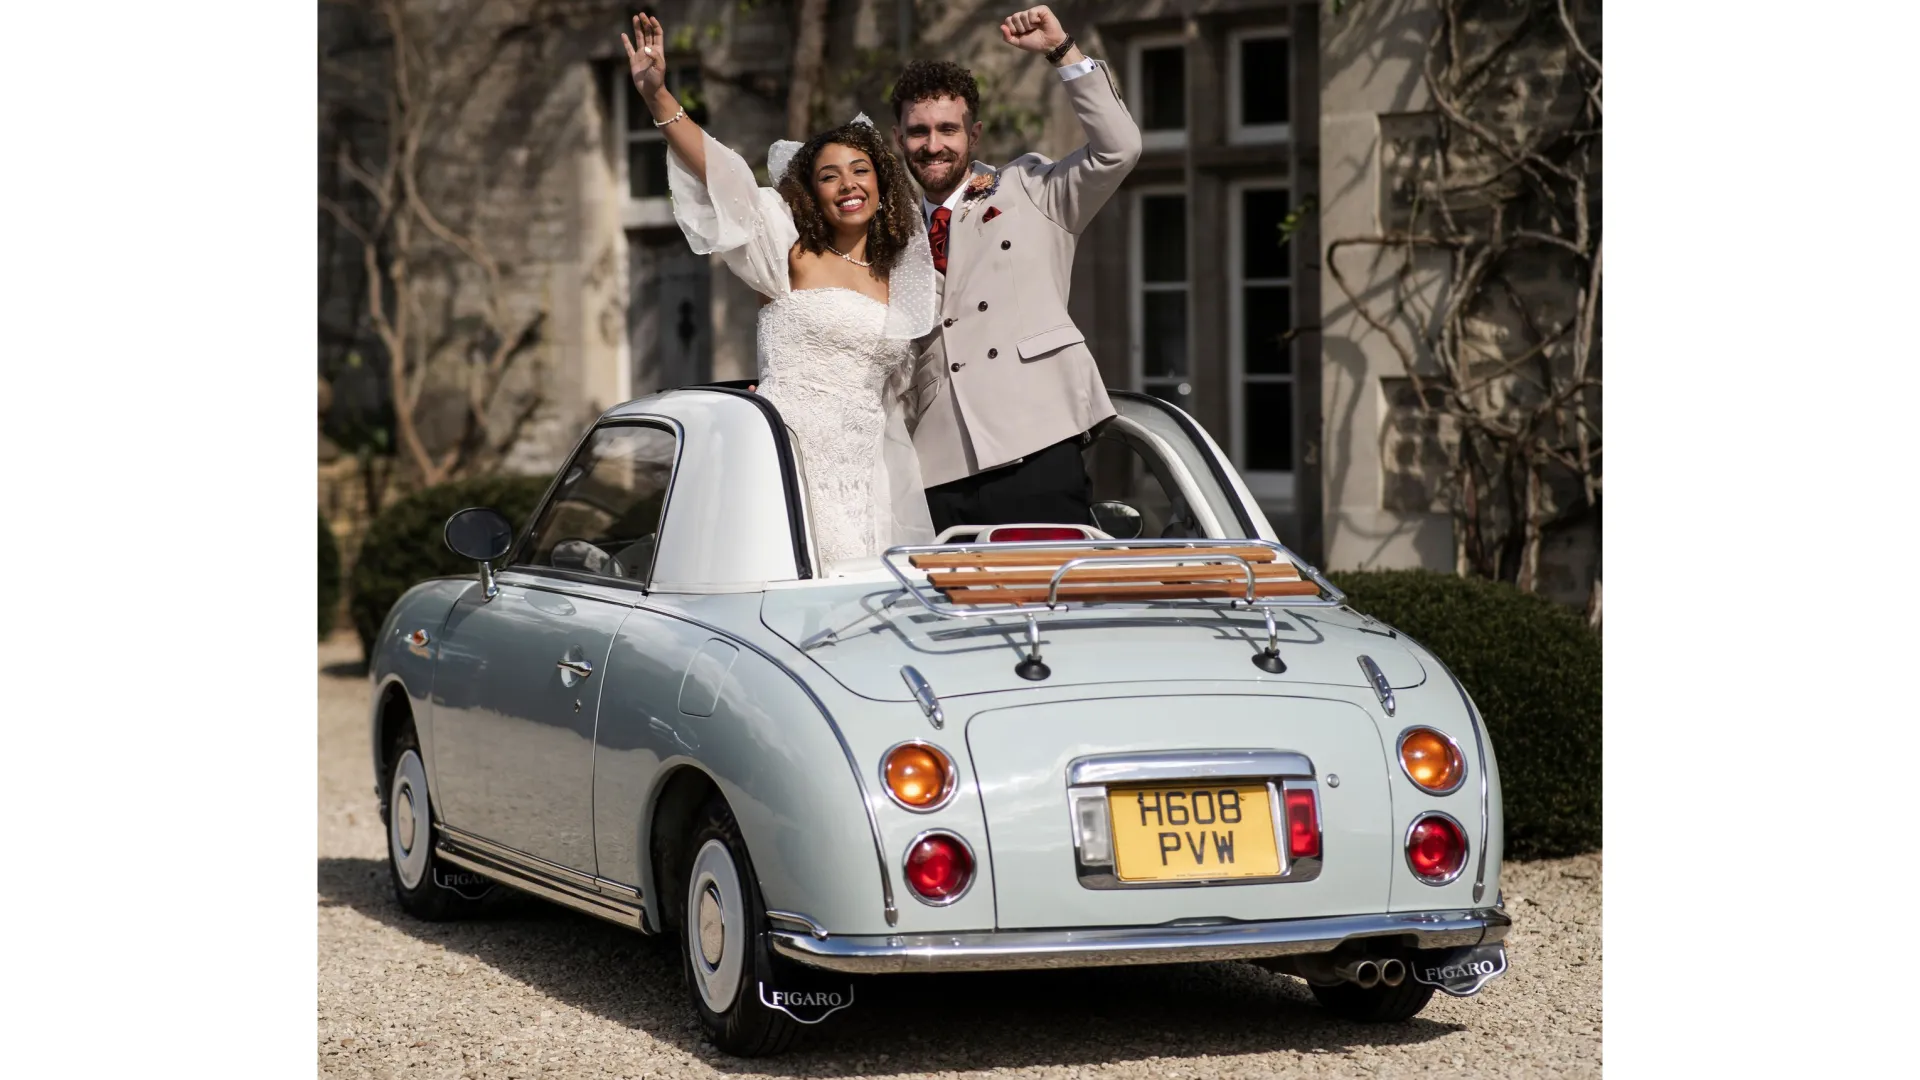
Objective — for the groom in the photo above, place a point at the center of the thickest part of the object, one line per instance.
(1005, 390)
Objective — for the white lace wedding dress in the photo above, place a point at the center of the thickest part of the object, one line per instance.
(834, 362)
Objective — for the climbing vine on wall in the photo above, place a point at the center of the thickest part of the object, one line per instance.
(1485, 276)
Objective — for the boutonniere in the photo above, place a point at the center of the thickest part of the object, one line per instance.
(978, 188)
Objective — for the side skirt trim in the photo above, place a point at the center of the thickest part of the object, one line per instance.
(609, 900)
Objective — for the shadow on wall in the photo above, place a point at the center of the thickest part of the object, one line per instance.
(925, 1023)
(1356, 541)
(1374, 39)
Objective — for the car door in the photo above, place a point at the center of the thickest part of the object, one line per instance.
(518, 686)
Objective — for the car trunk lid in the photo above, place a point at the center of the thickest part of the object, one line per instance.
(1023, 755)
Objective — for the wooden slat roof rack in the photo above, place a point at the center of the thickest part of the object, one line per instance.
(962, 580)
(1030, 579)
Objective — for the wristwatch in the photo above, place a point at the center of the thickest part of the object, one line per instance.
(1054, 54)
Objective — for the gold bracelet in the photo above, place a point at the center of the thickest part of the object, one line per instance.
(670, 119)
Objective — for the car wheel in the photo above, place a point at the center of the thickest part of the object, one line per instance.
(1379, 1004)
(425, 887)
(723, 941)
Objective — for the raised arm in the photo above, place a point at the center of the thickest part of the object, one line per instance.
(648, 63)
(716, 201)
(1073, 189)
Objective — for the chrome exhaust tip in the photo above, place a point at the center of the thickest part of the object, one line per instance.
(1393, 971)
(1364, 974)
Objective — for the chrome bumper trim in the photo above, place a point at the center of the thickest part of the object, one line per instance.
(1015, 950)
(1177, 765)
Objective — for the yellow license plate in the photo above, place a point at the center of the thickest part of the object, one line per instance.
(1192, 831)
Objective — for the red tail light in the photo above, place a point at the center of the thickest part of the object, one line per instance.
(1303, 825)
(1436, 849)
(1008, 536)
(939, 867)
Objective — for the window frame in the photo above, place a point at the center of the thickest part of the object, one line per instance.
(650, 212)
(1238, 132)
(515, 559)
(1269, 486)
(1136, 92)
(1138, 286)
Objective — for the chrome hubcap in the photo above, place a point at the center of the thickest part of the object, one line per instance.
(716, 926)
(404, 807)
(407, 820)
(713, 935)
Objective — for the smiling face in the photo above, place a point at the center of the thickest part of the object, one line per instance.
(846, 187)
(937, 137)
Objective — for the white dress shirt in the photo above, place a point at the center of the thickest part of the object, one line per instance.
(1068, 73)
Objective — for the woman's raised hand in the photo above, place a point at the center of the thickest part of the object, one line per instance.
(647, 54)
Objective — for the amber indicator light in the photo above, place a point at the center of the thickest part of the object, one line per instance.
(1431, 760)
(917, 775)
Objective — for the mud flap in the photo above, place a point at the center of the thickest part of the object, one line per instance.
(1461, 972)
(806, 994)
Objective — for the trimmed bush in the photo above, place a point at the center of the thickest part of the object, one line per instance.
(406, 544)
(329, 578)
(1533, 668)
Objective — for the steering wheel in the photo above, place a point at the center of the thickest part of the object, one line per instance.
(576, 554)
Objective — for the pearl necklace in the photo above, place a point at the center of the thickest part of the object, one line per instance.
(847, 257)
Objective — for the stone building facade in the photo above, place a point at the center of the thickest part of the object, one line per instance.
(1387, 499)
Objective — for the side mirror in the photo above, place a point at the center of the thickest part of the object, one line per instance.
(483, 535)
(1118, 520)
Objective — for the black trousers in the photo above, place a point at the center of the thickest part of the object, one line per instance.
(1049, 486)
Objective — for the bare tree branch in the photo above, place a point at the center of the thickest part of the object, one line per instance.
(1508, 385)
(404, 241)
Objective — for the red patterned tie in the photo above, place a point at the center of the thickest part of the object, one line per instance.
(937, 237)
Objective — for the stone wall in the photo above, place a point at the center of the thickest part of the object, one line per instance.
(514, 156)
(1389, 497)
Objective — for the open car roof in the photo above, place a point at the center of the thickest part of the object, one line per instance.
(736, 515)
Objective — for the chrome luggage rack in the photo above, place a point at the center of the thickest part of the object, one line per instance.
(1184, 560)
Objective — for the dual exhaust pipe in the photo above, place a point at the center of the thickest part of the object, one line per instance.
(1368, 973)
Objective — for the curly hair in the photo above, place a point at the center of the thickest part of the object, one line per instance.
(899, 209)
(925, 79)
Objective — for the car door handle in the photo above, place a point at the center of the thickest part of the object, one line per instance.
(581, 668)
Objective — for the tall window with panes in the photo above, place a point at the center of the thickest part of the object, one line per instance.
(1260, 368)
(1160, 297)
(1159, 307)
(1259, 81)
(1261, 307)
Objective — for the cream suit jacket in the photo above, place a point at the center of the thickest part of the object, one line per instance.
(1005, 372)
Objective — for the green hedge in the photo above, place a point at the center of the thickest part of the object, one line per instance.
(329, 578)
(1533, 668)
(406, 543)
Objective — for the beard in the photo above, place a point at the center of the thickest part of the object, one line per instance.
(921, 166)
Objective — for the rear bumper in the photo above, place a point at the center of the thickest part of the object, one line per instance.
(1116, 946)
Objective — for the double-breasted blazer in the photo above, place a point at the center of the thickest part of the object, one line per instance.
(1005, 372)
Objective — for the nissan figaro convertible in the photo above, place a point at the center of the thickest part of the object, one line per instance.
(1163, 738)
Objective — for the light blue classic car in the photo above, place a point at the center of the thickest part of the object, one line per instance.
(1163, 739)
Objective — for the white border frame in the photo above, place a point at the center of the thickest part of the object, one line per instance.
(1136, 90)
(1137, 285)
(1238, 132)
(1270, 487)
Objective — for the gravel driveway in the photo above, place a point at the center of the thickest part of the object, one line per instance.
(540, 991)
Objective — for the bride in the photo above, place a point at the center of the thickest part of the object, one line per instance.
(839, 248)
